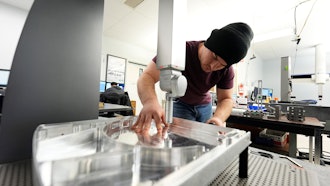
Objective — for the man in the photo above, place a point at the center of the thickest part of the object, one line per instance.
(112, 94)
(208, 63)
(116, 95)
(115, 88)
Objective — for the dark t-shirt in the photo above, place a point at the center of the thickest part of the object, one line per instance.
(200, 82)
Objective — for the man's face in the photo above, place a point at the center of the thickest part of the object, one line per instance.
(211, 62)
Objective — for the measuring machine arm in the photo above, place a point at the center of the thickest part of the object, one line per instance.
(171, 51)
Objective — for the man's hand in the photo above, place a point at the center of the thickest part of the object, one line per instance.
(149, 112)
(216, 121)
(157, 139)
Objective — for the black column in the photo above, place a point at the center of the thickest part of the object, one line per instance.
(55, 73)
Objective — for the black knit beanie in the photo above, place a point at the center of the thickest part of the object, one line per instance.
(231, 42)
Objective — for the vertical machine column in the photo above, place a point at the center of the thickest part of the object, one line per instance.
(286, 84)
(171, 51)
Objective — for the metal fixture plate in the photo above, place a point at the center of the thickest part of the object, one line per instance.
(265, 171)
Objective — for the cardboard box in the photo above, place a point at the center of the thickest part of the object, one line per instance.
(279, 138)
(133, 104)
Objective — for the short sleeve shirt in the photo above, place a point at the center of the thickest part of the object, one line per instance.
(200, 82)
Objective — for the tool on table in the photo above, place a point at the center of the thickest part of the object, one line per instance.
(293, 161)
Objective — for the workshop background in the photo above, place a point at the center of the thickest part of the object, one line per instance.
(282, 28)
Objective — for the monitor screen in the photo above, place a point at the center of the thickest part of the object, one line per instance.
(108, 85)
(4, 75)
(267, 92)
(102, 86)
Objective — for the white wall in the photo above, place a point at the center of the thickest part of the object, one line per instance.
(248, 72)
(12, 20)
(271, 76)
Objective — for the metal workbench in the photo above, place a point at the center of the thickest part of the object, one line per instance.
(310, 127)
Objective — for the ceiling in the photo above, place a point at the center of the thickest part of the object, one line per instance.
(276, 23)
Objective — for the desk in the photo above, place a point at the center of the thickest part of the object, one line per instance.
(310, 127)
(108, 107)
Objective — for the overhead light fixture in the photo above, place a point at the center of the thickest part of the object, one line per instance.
(253, 57)
(274, 35)
(133, 3)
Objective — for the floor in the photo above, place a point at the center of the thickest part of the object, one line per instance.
(303, 144)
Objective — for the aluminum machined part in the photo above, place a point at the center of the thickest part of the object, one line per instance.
(108, 152)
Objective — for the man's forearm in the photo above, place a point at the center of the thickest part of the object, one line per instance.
(224, 109)
(146, 89)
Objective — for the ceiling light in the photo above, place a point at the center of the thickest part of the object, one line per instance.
(133, 3)
(253, 57)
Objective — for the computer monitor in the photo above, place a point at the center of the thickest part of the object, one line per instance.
(108, 85)
(267, 92)
(4, 75)
(102, 86)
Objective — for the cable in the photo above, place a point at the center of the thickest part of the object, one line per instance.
(307, 17)
(298, 38)
(295, 20)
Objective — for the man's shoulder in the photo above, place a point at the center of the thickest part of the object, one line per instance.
(116, 90)
(194, 42)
